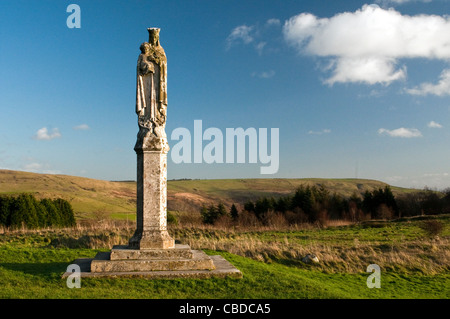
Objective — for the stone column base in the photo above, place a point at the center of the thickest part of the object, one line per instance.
(222, 269)
(124, 259)
(158, 239)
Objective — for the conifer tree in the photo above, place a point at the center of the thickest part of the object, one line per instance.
(52, 216)
(234, 212)
(221, 210)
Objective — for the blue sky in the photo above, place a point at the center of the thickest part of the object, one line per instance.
(356, 88)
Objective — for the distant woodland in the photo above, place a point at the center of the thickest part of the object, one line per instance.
(26, 211)
(312, 204)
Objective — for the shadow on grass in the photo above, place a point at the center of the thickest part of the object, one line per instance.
(42, 270)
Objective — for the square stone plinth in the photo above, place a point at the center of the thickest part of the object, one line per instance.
(178, 262)
(103, 263)
(126, 253)
(222, 269)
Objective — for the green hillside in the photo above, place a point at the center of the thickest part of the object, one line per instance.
(90, 196)
(241, 190)
(86, 195)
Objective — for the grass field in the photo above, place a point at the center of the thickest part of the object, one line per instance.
(412, 265)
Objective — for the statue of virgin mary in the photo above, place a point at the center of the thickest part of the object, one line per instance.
(151, 87)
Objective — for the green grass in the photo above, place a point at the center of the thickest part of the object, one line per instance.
(123, 216)
(35, 273)
(379, 231)
(31, 268)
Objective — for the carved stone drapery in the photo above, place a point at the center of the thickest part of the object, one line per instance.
(151, 94)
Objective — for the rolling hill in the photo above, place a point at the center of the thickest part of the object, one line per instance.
(89, 196)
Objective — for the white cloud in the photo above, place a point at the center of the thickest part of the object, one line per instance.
(440, 89)
(397, 2)
(370, 70)
(260, 47)
(81, 127)
(434, 174)
(51, 171)
(324, 131)
(32, 167)
(401, 132)
(36, 167)
(433, 180)
(365, 45)
(433, 124)
(254, 34)
(273, 22)
(240, 33)
(264, 74)
(43, 134)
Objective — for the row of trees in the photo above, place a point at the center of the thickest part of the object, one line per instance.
(315, 203)
(426, 202)
(211, 213)
(26, 210)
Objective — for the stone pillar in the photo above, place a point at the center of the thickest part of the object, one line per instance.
(151, 219)
(151, 252)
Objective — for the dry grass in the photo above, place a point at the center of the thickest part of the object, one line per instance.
(428, 257)
(338, 223)
(89, 234)
(269, 244)
(249, 222)
(432, 227)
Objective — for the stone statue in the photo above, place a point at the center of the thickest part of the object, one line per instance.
(151, 94)
(151, 147)
(151, 251)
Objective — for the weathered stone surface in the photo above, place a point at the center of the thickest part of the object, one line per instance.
(222, 269)
(200, 261)
(125, 253)
(151, 89)
(151, 147)
(152, 239)
(151, 216)
(310, 258)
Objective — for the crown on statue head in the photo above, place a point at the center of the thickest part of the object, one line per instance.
(153, 34)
